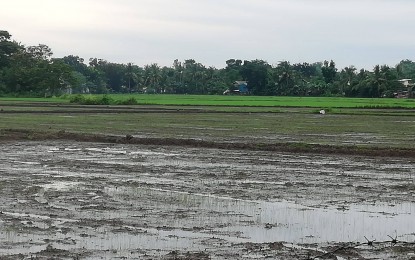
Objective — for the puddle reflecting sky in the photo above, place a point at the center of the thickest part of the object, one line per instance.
(258, 221)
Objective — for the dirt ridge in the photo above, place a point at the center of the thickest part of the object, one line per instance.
(27, 134)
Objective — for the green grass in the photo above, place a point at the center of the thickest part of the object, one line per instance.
(258, 101)
(229, 101)
(45, 100)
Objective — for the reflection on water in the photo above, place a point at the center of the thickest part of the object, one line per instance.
(259, 221)
(191, 218)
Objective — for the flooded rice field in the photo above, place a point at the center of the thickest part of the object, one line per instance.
(71, 200)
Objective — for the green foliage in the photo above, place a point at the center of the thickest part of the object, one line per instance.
(92, 100)
(31, 71)
(327, 103)
(77, 99)
(329, 71)
(7, 48)
(256, 73)
(129, 101)
(105, 100)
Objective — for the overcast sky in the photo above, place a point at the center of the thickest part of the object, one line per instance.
(351, 32)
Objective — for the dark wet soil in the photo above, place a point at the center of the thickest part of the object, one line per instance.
(20, 134)
(121, 198)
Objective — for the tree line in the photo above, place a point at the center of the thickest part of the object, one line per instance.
(32, 71)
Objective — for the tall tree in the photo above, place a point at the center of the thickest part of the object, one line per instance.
(284, 79)
(152, 77)
(233, 71)
(7, 48)
(33, 72)
(58, 78)
(257, 73)
(329, 71)
(406, 69)
(132, 76)
(347, 79)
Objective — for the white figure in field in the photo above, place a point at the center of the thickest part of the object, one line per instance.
(323, 112)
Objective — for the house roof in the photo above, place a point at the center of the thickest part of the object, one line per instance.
(239, 82)
(406, 82)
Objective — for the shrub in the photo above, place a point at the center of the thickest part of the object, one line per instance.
(130, 101)
(90, 100)
(104, 100)
(78, 99)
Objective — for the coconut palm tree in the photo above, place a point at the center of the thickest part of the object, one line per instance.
(152, 76)
(131, 76)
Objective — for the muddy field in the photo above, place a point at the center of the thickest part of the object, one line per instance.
(74, 200)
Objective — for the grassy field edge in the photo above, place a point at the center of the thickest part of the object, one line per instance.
(218, 100)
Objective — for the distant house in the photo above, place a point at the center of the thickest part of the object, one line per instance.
(406, 82)
(239, 87)
(408, 91)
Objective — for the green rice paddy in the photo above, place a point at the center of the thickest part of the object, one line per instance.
(238, 101)
(263, 101)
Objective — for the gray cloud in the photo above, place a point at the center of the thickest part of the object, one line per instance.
(354, 32)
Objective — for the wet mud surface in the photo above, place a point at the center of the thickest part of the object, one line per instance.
(77, 200)
(228, 144)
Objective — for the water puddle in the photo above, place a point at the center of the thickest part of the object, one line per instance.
(60, 185)
(231, 220)
(262, 222)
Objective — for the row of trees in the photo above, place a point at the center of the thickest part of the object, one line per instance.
(31, 70)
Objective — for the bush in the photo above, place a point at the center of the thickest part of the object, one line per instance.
(130, 101)
(104, 100)
(83, 100)
(78, 99)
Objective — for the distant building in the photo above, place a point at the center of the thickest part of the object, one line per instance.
(239, 87)
(406, 82)
(408, 91)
